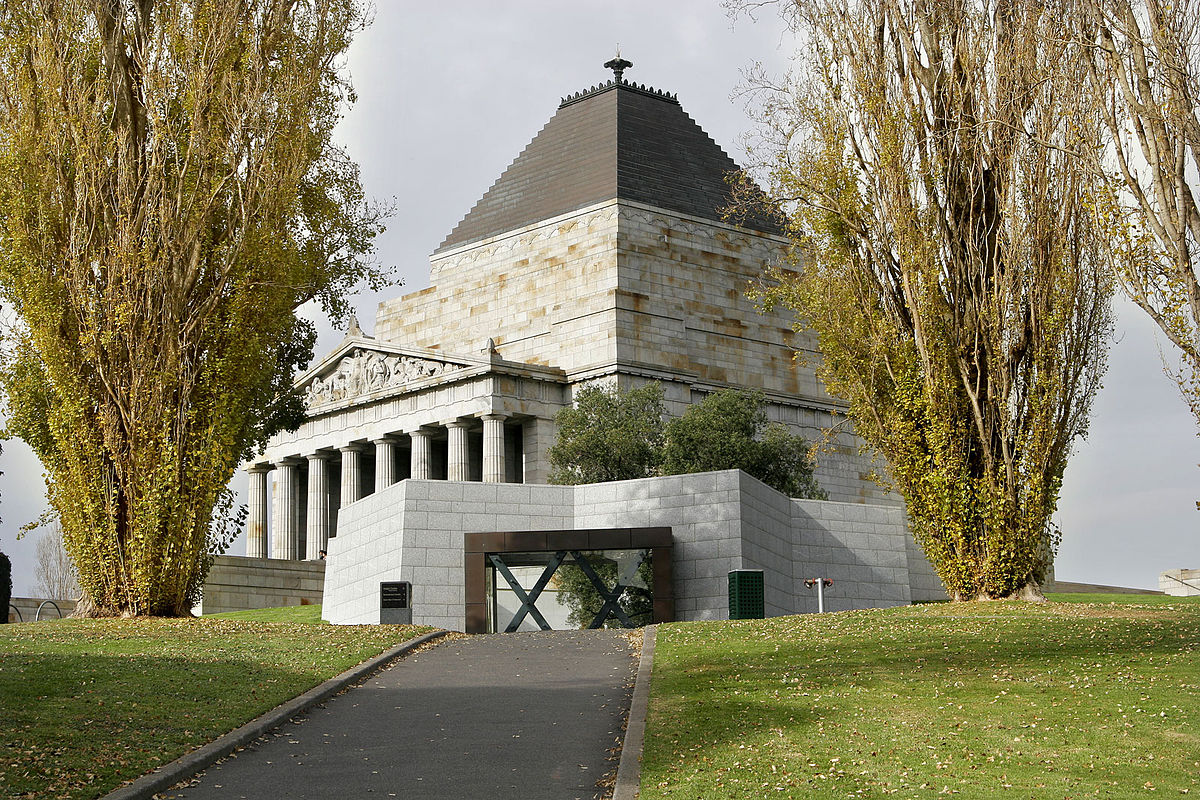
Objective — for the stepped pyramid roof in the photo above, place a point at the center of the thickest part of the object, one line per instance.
(616, 140)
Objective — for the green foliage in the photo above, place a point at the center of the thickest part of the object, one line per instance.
(92, 704)
(949, 260)
(581, 596)
(5, 584)
(729, 430)
(611, 435)
(169, 194)
(608, 435)
(994, 700)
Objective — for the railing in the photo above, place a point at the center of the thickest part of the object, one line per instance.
(43, 605)
(14, 608)
(1184, 582)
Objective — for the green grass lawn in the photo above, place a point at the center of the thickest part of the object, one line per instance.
(310, 615)
(986, 700)
(1105, 598)
(88, 704)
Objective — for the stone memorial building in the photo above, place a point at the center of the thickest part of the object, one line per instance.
(601, 254)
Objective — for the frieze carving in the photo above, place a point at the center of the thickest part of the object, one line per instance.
(364, 371)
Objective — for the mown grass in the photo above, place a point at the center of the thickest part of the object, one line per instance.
(1105, 598)
(987, 700)
(88, 704)
(310, 615)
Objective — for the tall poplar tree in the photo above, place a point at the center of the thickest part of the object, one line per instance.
(949, 260)
(169, 195)
(1146, 81)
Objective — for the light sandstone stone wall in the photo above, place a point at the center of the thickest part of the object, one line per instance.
(682, 306)
(237, 583)
(627, 293)
(720, 521)
(545, 293)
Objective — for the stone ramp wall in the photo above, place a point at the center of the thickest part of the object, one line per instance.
(1180, 582)
(239, 583)
(29, 608)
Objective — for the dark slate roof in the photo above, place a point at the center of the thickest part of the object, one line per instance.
(617, 140)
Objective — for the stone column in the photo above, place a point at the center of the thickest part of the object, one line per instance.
(493, 448)
(317, 538)
(385, 461)
(422, 454)
(285, 541)
(538, 437)
(256, 524)
(351, 486)
(457, 457)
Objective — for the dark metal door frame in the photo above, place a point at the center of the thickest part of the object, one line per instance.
(489, 548)
(610, 595)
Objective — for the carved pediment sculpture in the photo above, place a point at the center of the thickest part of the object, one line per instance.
(362, 372)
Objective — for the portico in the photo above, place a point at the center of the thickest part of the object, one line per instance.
(379, 414)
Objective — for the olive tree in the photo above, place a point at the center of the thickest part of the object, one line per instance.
(608, 435)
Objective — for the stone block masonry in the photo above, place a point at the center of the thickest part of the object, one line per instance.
(1180, 582)
(602, 255)
(25, 609)
(236, 583)
(720, 521)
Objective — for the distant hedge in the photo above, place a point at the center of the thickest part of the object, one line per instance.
(5, 585)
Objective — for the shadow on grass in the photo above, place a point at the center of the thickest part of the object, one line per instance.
(79, 724)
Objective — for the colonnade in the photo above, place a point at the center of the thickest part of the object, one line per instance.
(297, 508)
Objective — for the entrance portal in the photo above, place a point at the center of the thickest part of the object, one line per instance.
(508, 572)
(578, 590)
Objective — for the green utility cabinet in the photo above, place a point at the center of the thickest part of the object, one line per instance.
(746, 594)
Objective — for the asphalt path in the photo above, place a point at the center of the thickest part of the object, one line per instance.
(517, 715)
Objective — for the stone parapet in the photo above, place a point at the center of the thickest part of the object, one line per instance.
(1180, 582)
(237, 583)
(28, 608)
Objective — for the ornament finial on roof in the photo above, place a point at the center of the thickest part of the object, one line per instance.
(354, 329)
(618, 65)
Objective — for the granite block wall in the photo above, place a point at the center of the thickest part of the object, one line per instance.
(1180, 582)
(237, 583)
(704, 514)
(28, 608)
(720, 521)
(862, 548)
(413, 531)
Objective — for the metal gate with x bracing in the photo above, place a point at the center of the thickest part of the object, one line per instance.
(500, 549)
(611, 596)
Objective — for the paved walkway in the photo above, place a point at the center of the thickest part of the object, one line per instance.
(519, 715)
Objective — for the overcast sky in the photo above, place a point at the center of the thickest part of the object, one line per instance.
(449, 93)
